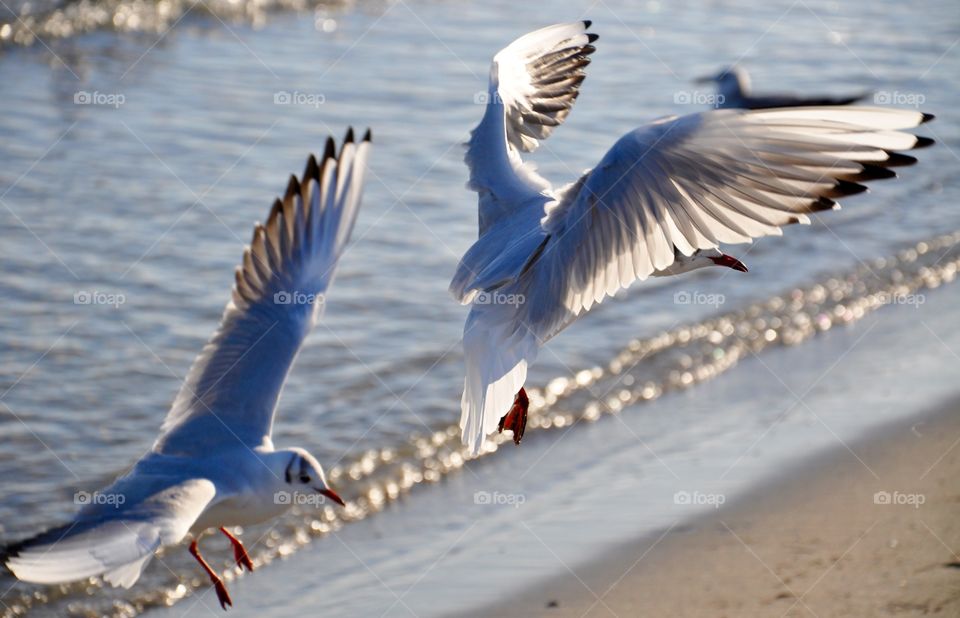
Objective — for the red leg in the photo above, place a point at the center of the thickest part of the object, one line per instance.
(222, 595)
(239, 551)
(516, 419)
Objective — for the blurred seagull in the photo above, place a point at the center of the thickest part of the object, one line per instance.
(659, 203)
(214, 464)
(733, 88)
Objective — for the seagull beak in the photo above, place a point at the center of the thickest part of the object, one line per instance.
(329, 493)
(729, 262)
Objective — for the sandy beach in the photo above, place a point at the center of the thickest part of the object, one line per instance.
(869, 531)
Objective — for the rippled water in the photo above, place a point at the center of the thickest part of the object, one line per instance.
(150, 194)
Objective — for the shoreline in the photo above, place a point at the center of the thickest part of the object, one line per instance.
(816, 540)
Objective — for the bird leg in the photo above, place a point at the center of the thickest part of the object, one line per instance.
(222, 595)
(239, 551)
(516, 419)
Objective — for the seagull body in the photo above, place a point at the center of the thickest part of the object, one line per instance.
(214, 464)
(733, 86)
(659, 203)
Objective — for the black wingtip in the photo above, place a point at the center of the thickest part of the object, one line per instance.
(293, 187)
(368, 136)
(330, 150)
(821, 204)
(845, 187)
(927, 118)
(11, 551)
(591, 37)
(874, 172)
(349, 138)
(587, 23)
(312, 170)
(896, 159)
(924, 142)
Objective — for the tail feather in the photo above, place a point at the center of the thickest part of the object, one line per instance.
(497, 355)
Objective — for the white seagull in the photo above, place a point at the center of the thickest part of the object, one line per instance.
(660, 202)
(733, 86)
(214, 464)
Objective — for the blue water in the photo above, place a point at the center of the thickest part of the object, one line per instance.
(151, 196)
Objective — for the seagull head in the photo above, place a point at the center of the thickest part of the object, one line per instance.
(303, 473)
(732, 81)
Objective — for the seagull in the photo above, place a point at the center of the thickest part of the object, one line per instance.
(733, 86)
(214, 464)
(659, 203)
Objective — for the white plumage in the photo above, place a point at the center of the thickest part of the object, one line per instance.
(214, 463)
(664, 192)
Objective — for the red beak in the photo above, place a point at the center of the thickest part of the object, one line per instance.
(332, 495)
(729, 262)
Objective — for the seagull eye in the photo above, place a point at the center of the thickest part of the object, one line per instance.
(304, 478)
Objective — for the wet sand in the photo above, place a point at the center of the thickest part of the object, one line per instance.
(819, 542)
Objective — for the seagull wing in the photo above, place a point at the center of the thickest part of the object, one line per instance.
(534, 83)
(116, 534)
(231, 392)
(689, 183)
(789, 100)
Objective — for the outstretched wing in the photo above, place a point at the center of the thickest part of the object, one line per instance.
(534, 82)
(231, 392)
(116, 534)
(689, 183)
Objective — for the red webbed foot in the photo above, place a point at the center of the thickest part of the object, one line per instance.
(516, 419)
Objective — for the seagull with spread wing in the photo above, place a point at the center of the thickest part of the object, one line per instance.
(214, 464)
(660, 202)
(734, 92)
